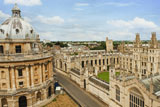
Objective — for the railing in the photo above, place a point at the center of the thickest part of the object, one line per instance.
(24, 56)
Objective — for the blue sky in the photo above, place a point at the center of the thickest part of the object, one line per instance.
(74, 20)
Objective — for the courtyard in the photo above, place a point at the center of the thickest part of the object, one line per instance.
(105, 76)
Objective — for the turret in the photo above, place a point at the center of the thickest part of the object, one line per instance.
(109, 45)
(154, 42)
(137, 41)
(16, 12)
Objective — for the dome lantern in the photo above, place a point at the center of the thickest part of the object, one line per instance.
(16, 12)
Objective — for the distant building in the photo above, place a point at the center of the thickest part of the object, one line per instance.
(109, 45)
(138, 84)
(46, 41)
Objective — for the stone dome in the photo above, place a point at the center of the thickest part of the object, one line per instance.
(16, 27)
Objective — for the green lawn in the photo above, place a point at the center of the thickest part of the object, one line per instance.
(117, 73)
(105, 76)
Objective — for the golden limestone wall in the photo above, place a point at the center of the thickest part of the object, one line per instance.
(31, 79)
(9, 46)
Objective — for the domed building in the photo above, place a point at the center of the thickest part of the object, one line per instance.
(26, 71)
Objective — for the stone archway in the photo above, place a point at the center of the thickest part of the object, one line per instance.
(49, 91)
(4, 102)
(22, 101)
(38, 96)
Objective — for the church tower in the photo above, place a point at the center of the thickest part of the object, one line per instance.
(154, 42)
(109, 45)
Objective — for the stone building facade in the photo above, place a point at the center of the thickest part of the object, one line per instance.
(26, 70)
(138, 64)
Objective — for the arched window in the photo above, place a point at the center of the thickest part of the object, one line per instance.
(49, 92)
(22, 101)
(1, 49)
(38, 96)
(17, 31)
(2, 31)
(31, 31)
(135, 98)
(4, 102)
(117, 93)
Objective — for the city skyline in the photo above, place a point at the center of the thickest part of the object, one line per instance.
(85, 20)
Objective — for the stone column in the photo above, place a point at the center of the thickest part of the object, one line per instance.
(41, 73)
(28, 77)
(52, 68)
(48, 69)
(8, 78)
(13, 78)
(32, 76)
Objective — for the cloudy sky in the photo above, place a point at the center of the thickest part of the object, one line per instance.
(74, 20)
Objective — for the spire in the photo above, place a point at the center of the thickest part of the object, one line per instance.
(154, 42)
(16, 12)
(137, 40)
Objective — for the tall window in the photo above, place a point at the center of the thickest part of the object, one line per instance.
(46, 66)
(20, 73)
(91, 62)
(87, 62)
(95, 62)
(99, 62)
(18, 49)
(1, 49)
(103, 62)
(117, 93)
(82, 64)
(107, 61)
(136, 100)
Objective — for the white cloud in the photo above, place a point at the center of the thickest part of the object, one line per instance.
(24, 2)
(118, 4)
(135, 23)
(81, 4)
(125, 30)
(50, 20)
(3, 15)
(27, 19)
(78, 9)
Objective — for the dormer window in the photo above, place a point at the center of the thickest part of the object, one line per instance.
(2, 31)
(31, 31)
(17, 31)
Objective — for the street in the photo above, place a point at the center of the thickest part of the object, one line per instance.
(79, 94)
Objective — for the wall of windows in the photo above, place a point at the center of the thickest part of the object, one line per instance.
(136, 100)
(117, 93)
